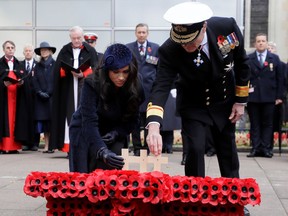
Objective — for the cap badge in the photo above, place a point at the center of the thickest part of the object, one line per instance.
(180, 28)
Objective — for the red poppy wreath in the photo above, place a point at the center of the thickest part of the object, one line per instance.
(122, 192)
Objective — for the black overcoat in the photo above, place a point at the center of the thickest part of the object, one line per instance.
(63, 91)
(207, 97)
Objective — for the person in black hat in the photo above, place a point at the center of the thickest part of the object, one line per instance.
(208, 55)
(42, 79)
(90, 38)
(108, 112)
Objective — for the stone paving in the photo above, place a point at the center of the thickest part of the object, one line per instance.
(271, 175)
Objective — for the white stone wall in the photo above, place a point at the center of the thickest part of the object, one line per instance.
(278, 26)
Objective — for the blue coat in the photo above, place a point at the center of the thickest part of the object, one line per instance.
(43, 81)
(146, 70)
(93, 119)
(266, 83)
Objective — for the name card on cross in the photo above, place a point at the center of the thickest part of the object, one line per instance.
(143, 160)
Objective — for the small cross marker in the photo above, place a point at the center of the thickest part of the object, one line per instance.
(143, 160)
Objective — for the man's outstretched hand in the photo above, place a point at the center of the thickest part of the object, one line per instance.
(154, 139)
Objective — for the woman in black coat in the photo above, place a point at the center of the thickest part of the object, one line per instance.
(108, 112)
(43, 85)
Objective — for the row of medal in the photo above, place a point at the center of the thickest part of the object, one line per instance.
(227, 43)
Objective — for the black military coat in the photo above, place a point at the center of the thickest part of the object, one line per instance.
(204, 94)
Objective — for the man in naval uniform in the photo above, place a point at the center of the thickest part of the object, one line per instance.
(212, 89)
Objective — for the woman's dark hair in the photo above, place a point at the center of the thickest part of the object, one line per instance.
(132, 88)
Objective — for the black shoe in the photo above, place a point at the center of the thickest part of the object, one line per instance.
(210, 153)
(137, 152)
(246, 212)
(183, 159)
(25, 148)
(48, 152)
(267, 155)
(11, 152)
(34, 148)
(169, 151)
(253, 154)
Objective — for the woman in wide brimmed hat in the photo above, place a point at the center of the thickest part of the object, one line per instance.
(43, 86)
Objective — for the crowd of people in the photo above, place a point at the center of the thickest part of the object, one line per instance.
(199, 81)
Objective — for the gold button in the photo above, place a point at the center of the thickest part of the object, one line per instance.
(223, 81)
(207, 90)
(207, 98)
(224, 89)
(207, 103)
(224, 96)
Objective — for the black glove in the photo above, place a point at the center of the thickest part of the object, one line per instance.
(110, 137)
(110, 158)
(43, 95)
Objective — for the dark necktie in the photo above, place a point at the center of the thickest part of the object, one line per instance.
(141, 50)
(261, 59)
(28, 67)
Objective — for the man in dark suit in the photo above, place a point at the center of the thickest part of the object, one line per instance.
(265, 91)
(146, 54)
(29, 63)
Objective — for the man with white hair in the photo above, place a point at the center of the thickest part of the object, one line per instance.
(67, 85)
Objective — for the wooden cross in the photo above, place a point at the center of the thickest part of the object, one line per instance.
(143, 160)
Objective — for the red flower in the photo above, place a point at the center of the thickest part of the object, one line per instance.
(204, 185)
(265, 64)
(112, 186)
(233, 198)
(225, 189)
(195, 197)
(194, 185)
(53, 191)
(124, 182)
(32, 190)
(149, 49)
(123, 207)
